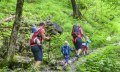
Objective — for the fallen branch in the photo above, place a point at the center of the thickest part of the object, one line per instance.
(7, 19)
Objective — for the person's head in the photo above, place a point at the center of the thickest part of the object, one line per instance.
(66, 43)
(88, 40)
(76, 25)
(42, 24)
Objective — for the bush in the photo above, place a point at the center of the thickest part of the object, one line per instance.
(103, 60)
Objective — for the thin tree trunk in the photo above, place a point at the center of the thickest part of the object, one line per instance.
(14, 33)
(16, 26)
(76, 11)
(8, 19)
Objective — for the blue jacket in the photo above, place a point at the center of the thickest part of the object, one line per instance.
(65, 49)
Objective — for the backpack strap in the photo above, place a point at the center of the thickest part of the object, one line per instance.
(39, 34)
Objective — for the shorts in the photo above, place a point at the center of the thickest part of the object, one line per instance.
(78, 43)
(37, 52)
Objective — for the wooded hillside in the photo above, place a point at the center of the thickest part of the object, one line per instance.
(99, 19)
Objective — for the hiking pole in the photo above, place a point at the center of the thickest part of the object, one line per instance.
(84, 36)
(49, 50)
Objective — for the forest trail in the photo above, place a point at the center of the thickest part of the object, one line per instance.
(82, 59)
(99, 20)
(72, 62)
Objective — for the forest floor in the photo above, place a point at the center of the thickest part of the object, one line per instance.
(72, 62)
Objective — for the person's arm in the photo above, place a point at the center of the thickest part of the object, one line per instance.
(71, 49)
(43, 35)
(82, 33)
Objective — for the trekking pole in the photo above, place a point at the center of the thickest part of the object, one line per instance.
(84, 36)
(49, 51)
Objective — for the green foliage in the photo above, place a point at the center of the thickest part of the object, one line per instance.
(99, 16)
(103, 60)
(101, 21)
(5, 69)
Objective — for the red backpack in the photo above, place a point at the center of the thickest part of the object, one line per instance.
(36, 38)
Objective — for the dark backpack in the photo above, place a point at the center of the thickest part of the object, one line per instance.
(36, 38)
(76, 31)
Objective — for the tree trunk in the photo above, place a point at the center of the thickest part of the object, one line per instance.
(14, 33)
(76, 12)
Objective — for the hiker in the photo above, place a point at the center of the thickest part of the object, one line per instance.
(65, 49)
(36, 43)
(85, 46)
(77, 34)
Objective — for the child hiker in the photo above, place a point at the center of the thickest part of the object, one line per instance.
(65, 49)
(85, 46)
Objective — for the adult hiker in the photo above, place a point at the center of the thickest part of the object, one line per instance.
(65, 49)
(77, 34)
(36, 43)
(85, 46)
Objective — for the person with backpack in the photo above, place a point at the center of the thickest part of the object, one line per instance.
(36, 43)
(77, 34)
(65, 49)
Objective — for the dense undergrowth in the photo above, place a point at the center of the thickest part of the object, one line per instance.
(103, 60)
(100, 21)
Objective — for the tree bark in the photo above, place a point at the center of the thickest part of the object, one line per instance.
(14, 33)
(15, 29)
(76, 11)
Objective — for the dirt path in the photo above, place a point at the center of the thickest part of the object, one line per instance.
(60, 64)
(72, 62)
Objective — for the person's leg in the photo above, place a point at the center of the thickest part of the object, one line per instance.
(66, 61)
(37, 64)
(87, 50)
(78, 46)
(76, 52)
(79, 52)
(39, 57)
(37, 52)
(84, 50)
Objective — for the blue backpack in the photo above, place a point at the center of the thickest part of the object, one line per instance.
(65, 50)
